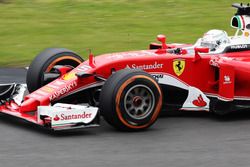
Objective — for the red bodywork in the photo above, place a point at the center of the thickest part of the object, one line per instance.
(203, 71)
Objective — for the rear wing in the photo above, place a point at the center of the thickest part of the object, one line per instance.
(241, 19)
(242, 9)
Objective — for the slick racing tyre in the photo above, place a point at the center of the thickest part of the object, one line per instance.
(130, 100)
(44, 63)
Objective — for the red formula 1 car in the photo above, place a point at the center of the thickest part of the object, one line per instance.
(130, 89)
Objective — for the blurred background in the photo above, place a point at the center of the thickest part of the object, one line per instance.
(29, 26)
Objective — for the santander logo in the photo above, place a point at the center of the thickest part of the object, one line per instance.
(64, 117)
(56, 118)
(199, 102)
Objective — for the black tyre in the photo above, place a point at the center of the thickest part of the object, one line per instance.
(130, 100)
(44, 63)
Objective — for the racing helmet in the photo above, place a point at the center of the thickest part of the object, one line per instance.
(214, 38)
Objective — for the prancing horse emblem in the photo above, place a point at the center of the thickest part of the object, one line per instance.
(179, 66)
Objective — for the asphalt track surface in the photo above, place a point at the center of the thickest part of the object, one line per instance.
(183, 140)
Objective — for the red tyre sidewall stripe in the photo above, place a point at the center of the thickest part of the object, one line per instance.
(53, 63)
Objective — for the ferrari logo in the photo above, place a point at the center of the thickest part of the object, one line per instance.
(179, 66)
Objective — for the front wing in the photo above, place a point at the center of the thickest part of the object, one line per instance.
(57, 117)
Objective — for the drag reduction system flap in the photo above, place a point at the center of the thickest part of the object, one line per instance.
(241, 20)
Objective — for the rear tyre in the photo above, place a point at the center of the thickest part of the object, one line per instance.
(130, 100)
(44, 63)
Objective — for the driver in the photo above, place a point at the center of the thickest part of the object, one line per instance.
(213, 39)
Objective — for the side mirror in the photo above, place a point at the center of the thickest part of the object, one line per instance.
(162, 38)
(197, 51)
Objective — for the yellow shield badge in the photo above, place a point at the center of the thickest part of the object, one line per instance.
(179, 66)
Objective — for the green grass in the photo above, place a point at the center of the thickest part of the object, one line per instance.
(29, 26)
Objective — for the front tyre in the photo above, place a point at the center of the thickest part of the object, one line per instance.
(130, 100)
(44, 63)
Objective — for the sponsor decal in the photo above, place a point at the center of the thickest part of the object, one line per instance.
(243, 46)
(214, 63)
(56, 118)
(62, 114)
(199, 102)
(68, 117)
(142, 53)
(69, 76)
(115, 56)
(179, 66)
(51, 85)
(58, 83)
(157, 76)
(42, 92)
(47, 89)
(146, 66)
(63, 91)
(84, 67)
(227, 80)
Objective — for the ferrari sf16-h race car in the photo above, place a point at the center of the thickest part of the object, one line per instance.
(130, 89)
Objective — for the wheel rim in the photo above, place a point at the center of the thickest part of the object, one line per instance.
(139, 101)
